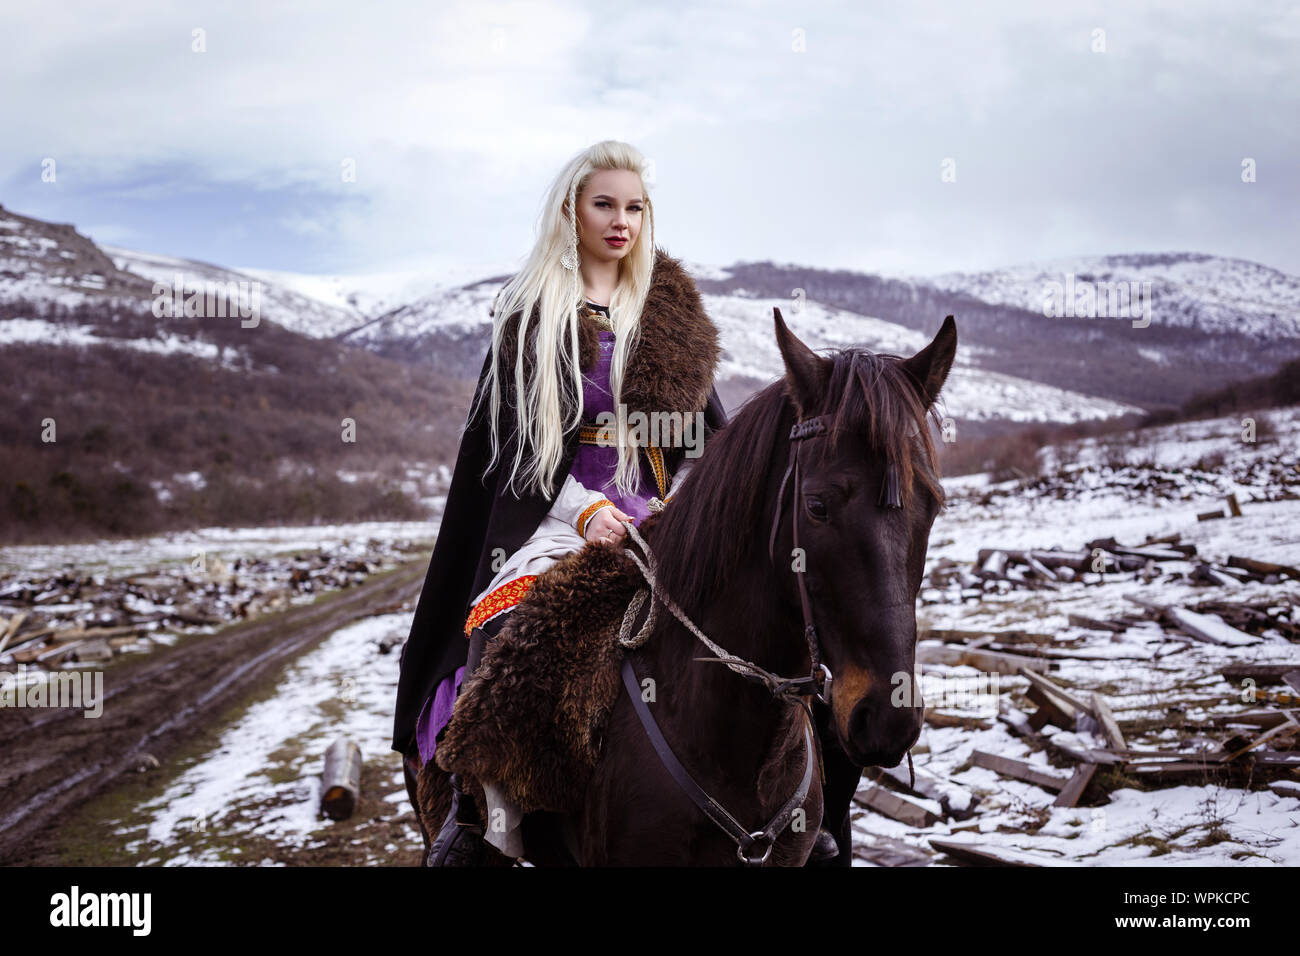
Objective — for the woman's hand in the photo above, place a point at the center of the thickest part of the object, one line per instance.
(605, 528)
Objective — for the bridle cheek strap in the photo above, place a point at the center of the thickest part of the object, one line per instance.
(890, 497)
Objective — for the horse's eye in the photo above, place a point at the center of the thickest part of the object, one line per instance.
(816, 508)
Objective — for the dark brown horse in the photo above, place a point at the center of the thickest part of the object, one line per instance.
(865, 494)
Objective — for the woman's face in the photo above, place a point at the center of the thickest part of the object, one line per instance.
(609, 208)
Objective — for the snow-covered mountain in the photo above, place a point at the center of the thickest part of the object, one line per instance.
(1213, 320)
(282, 304)
(375, 294)
(1188, 290)
(51, 262)
(450, 329)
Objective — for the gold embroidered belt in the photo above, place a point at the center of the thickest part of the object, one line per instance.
(602, 435)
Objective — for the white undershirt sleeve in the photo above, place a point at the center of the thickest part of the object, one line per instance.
(572, 501)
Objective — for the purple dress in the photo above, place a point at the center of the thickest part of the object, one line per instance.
(593, 466)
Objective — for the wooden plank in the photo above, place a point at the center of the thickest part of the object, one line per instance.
(992, 661)
(1205, 628)
(977, 854)
(1234, 506)
(887, 851)
(896, 806)
(1052, 710)
(1091, 755)
(956, 800)
(1092, 624)
(1285, 729)
(1055, 690)
(1019, 770)
(1263, 567)
(1277, 758)
(1073, 791)
(1109, 726)
(1259, 673)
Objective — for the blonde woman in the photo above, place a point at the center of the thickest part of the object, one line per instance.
(595, 405)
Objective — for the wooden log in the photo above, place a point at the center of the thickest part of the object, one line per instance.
(1092, 624)
(1072, 792)
(994, 566)
(991, 661)
(341, 781)
(1263, 567)
(1165, 539)
(896, 806)
(1209, 515)
(91, 650)
(952, 636)
(1208, 574)
(1109, 726)
(1078, 560)
(1234, 506)
(1153, 554)
(1019, 770)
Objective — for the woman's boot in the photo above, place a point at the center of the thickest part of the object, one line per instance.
(460, 841)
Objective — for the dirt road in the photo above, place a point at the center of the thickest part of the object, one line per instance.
(55, 759)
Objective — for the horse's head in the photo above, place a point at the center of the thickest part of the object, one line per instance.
(862, 531)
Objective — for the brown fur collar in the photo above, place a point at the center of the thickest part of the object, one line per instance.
(672, 366)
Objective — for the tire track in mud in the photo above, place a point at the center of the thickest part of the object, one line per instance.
(54, 759)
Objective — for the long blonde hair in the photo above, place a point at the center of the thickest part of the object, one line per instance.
(558, 291)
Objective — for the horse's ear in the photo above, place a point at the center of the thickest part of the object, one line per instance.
(806, 372)
(929, 367)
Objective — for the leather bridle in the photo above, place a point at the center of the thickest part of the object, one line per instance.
(889, 498)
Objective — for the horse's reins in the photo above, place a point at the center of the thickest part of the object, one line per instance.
(817, 683)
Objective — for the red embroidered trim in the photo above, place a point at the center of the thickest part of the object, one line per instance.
(497, 600)
(588, 511)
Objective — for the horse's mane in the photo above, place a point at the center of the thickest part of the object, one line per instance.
(722, 505)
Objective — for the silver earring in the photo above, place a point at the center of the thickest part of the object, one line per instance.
(569, 259)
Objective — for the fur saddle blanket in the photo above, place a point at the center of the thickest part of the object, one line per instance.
(531, 719)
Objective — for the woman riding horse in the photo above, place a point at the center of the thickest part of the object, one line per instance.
(607, 390)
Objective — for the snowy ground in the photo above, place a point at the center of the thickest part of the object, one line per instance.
(258, 788)
(138, 555)
(1148, 672)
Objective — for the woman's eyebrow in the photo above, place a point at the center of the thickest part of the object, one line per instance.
(612, 199)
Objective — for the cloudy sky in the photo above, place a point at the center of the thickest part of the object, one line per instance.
(797, 132)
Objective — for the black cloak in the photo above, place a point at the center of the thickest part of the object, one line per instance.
(670, 369)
